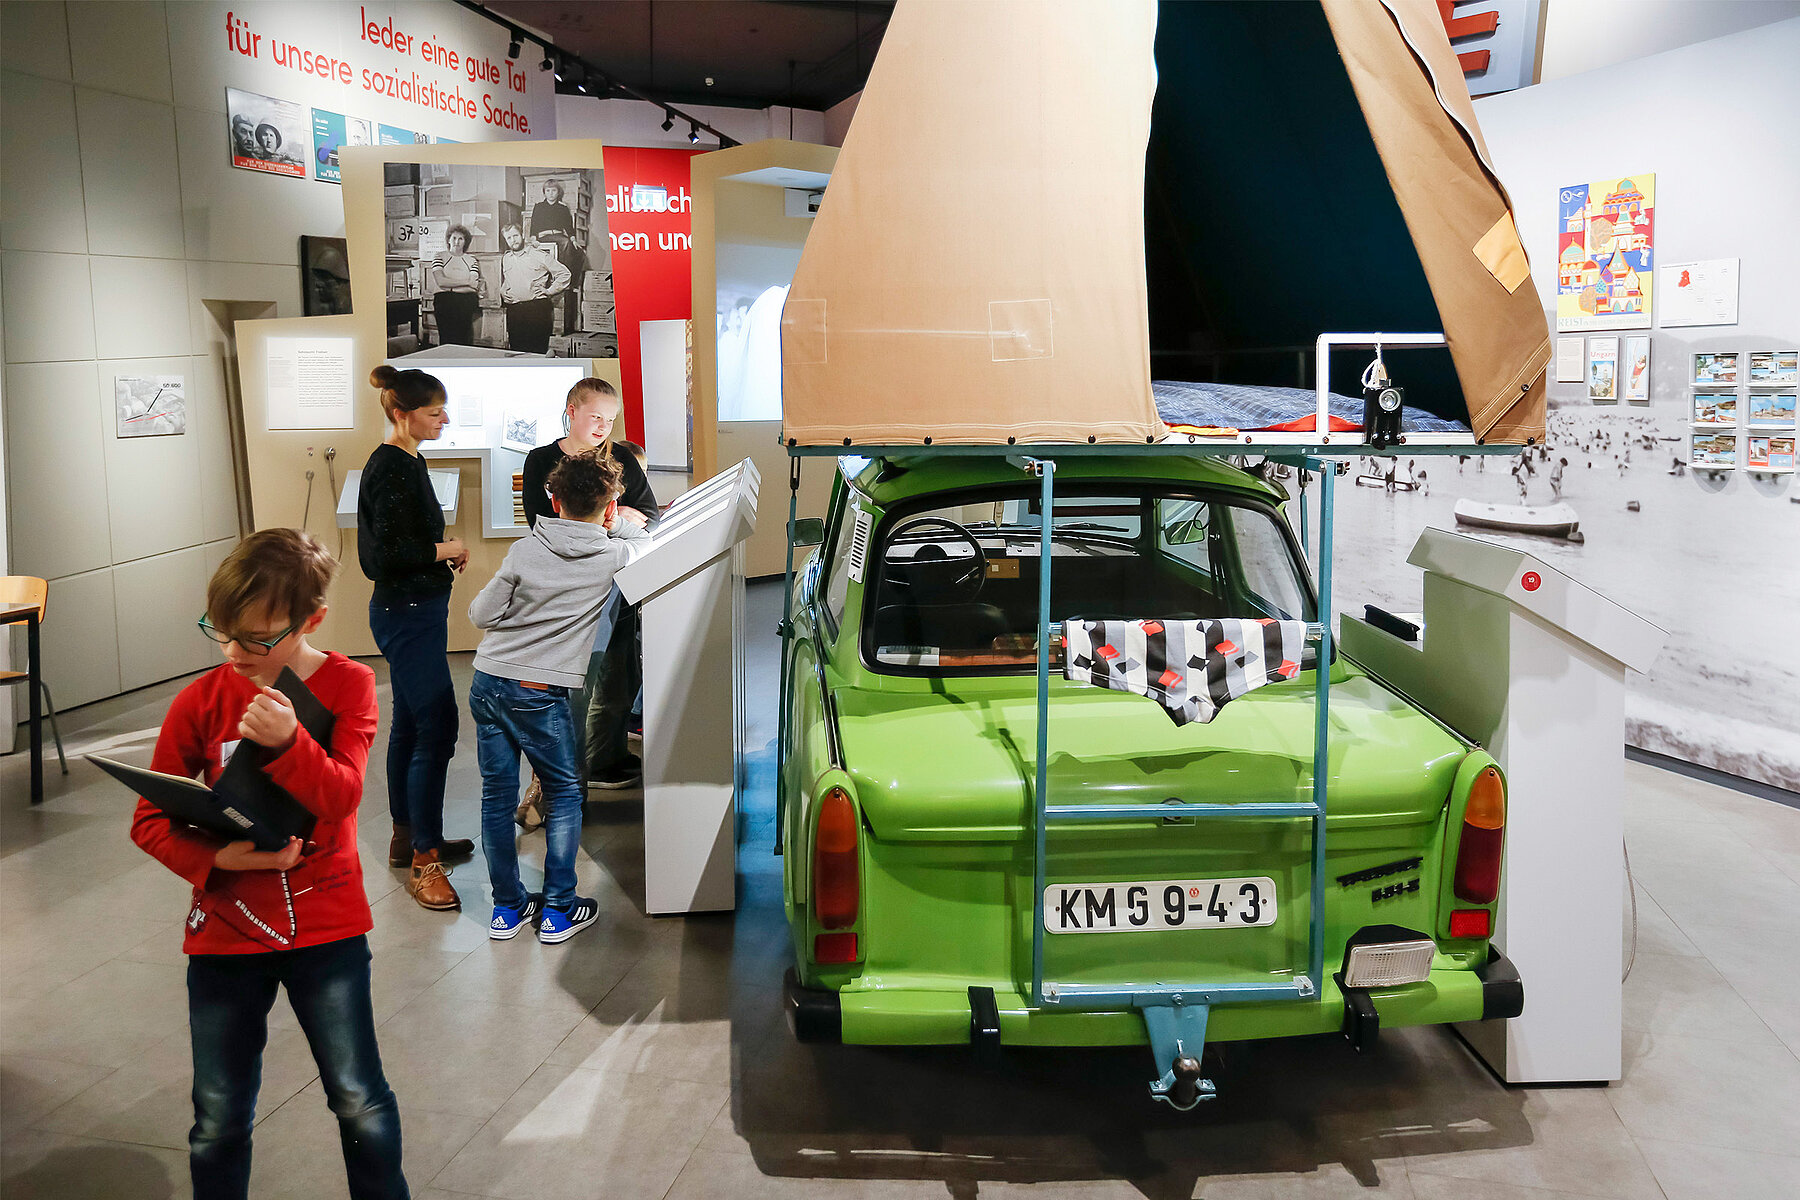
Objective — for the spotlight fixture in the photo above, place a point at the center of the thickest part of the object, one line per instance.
(668, 121)
(515, 46)
(694, 133)
(549, 64)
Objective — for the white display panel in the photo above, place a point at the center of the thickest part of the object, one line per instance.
(309, 383)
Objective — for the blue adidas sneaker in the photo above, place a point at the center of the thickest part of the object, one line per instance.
(508, 920)
(559, 925)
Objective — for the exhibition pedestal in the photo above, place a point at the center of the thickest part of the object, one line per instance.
(690, 585)
(1529, 663)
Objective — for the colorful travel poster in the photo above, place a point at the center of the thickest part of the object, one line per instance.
(1772, 453)
(1715, 408)
(1637, 367)
(1603, 368)
(267, 134)
(1772, 408)
(1774, 368)
(1714, 449)
(1714, 369)
(1605, 262)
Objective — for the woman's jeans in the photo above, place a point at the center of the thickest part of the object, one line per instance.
(604, 701)
(414, 637)
(511, 719)
(229, 996)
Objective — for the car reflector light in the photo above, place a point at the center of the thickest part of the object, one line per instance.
(837, 883)
(834, 948)
(1483, 837)
(1470, 923)
(1388, 964)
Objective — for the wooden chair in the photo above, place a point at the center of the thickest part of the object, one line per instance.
(29, 589)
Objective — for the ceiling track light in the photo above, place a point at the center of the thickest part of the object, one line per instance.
(668, 121)
(516, 45)
(549, 64)
(694, 132)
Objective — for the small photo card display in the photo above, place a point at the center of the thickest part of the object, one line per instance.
(1716, 368)
(1772, 453)
(1715, 450)
(1774, 368)
(1772, 409)
(1635, 374)
(1715, 408)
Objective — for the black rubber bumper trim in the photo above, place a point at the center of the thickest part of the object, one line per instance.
(1502, 993)
(813, 1014)
(984, 1025)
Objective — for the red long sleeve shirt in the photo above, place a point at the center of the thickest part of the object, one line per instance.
(251, 912)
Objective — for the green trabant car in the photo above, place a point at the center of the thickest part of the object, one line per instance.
(909, 760)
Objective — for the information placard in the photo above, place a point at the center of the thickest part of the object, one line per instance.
(309, 383)
(1699, 293)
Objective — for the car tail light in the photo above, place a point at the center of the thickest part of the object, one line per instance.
(837, 882)
(1483, 835)
(1471, 923)
(834, 948)
(1387, 956)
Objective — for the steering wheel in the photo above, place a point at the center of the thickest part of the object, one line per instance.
(963, 581)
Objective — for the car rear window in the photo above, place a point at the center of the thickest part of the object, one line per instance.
(954, 588)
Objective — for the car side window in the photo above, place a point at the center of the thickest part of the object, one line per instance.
(1181, 532)
(837, 567)
(1266, 563)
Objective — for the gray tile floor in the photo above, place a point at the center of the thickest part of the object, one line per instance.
(648, 1057)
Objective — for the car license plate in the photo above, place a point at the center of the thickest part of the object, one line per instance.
(1159, 905)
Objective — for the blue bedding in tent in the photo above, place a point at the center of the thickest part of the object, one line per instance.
(1257, 406)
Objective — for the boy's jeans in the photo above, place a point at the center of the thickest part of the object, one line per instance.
(229, 996)
(509, 719)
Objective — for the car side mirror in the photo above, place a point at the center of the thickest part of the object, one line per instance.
(806, 531)
(1184, 533)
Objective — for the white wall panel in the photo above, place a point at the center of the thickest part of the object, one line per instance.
(80, 641)
(52, 310)
(122, 47)
(209, 426)
(245, 216)
(141, 307)
(152, 483)
(40, 185)
(35, 38)
(238, 282)
(129, 177)
(56, 470)
(159, 600)
(215, 553)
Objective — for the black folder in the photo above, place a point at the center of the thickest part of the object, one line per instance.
(244, 803)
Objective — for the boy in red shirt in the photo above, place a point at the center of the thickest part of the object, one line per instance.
(294, 918)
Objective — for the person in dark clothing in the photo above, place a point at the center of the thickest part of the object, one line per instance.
(553, 225)
(602, 706)
(401, 545)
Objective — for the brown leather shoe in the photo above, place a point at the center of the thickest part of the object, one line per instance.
(456, 849)
(430, 882)
(400, 851)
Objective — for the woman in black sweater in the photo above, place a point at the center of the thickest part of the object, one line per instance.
(604, 701)
(401, 545)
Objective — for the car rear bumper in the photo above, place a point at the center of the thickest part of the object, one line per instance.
(893, 1016)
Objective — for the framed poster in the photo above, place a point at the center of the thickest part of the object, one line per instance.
(1772, 409)
(268, 135)
(1635, 374)
(1605, 258)
(1710, 370)
(325, 275)
(1715, 408)
(1713, 450)
(1699, 293)
(1774, 368)
(1603, 368)
(150, 405)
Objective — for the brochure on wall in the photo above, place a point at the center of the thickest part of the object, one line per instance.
(1774, 409)
(1636, 372)
(1716, 450)
(150, 405)
(309, 384)
(1568, 360)
(1772, 453)
(1715, 408)
(1603, 368)
(268, 135)
(1716, 368)
(1774, 368)
(1699, 293)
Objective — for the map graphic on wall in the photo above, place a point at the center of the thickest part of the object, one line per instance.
(269, 135)
(150, 405)
(1605, 263)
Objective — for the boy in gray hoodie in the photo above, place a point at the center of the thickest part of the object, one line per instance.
(540, 612)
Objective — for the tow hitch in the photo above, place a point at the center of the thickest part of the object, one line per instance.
(1178, 1039)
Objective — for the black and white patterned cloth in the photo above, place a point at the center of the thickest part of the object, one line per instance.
(1191, 668)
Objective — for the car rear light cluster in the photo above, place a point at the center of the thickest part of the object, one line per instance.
(836, 877)
(1387, 956)
(1471, 923)
(1483, 836)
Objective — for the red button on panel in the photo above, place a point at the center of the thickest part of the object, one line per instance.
(1531, 581)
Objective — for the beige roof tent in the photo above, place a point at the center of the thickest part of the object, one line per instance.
(1042, 205)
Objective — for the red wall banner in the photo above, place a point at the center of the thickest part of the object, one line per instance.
(649, 217)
